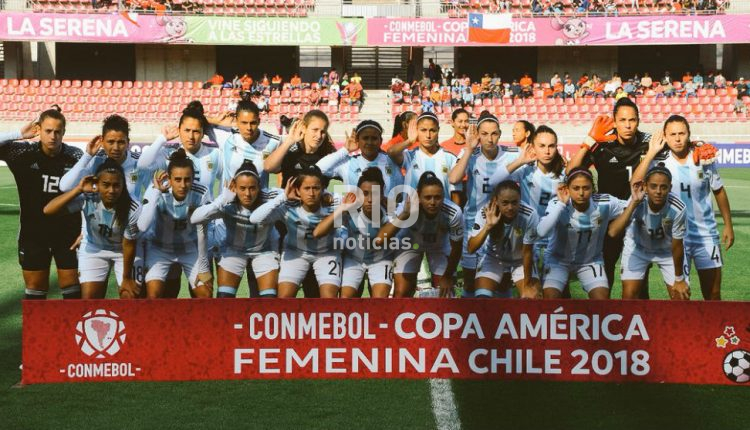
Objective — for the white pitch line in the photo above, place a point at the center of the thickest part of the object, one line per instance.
(9, 204)
(444, 405)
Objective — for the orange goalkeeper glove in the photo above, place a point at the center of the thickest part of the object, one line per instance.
(704, 153)
(601, 131)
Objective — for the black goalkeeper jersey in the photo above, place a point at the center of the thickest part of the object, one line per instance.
(615, 164)
(37, 179)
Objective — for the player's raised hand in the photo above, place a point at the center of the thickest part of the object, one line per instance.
(601, 130)
(411, 132)
(472, 136)
(297, 132)
(350, 200)
(30, 130)
(161, 181)
(528, 153)
(170, 132)
(703, 153)
(637, 191)
(657, 142)
(87, 184)
(563, 194)
(291, 192)
(94, 145)
(405, 208)
(76, 243)
(351, 144)
(492, 213)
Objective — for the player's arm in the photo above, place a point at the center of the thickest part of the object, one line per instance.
(82, 166)
(151, 203)
(509, 170)
(212, 210)
(600, 132)
(153, 154)
(529, 288)
(327, 225)
(485, 221)
(456, 238)
(655, 146)
(64, 202)
(396, 152)
(129, 288)
(722, 201)
(458, 171)
(28, 131)
(554, 210)
(268, 212)
(619, 224)
(272, 164)
(330, 162)
(680, 289)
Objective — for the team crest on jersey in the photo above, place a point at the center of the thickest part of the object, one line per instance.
(700, 174)
(388, 170)
(210, 165)
(266, 154)
(518, 231)
(134, 176)
(445, 169)
(667, 221)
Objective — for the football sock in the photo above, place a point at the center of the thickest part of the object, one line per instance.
(226, 292)
(71, 292)
(30, 294)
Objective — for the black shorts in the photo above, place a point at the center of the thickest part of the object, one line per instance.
(36, 253)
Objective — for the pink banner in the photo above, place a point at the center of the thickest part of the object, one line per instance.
(124, 28)
(632, 30)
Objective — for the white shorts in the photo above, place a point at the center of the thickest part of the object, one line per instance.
(591, 275)
(262, 262)
(158, 262)
(295, 264)
(94, 265)
(380, 272)
(492, 268)
(635, 263)
(410, 261)
(705, 255)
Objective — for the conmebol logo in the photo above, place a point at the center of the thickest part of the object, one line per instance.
(100, 333)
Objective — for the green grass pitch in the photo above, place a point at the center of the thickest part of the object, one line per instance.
(362, 403)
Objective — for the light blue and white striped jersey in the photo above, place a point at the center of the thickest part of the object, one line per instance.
(362, 226)
(694, 185)
(521, 231)
(299, 222)
(234, 150)
(206, 162)
(537, 188)
(136, 179)
(578, 237)
(172, 230)
(350, 167)
(100, 230)
(652, 232)
(416, 162)
(242, 236)
(435, 234)
(478, 174)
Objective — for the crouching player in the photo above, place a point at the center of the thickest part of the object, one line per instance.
(437, 232)
(576, 221)
(511, 229)
(301, 208)
(245, 241)
(110, 231)
(655, 230)
(168, 207)
(363, 257)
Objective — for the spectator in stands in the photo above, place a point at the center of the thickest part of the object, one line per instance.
(646, 81)
(611, 86)
(527, 85)
(261, 101)
(216, 81)
(354, 89)
(669, 90)
(666, 79)
(296, 82)
(426, 81)
(468, 98)
(610, 8)
(445, 98)
(581, 6)
(324, 82)
(435, 96)
(630, 88)
(515, 89)
(314, 97)
(456, 97)
(689, 89)
(555, 79)
(620, 93)
(739, 105)
(345, 80)
(698, 80)
(356, 78)
(720, 81)
(597, 86)
(536, 7)
(264, 84)
(503, 5)
(634, 5)
(584, 78)
(276, 82)
(449, 76)
(741, 87)
(486, 81)
(687, 77)
(427, 105)
(236, 82)
(558, 90)
(569, 90)
(335, 88)
(333, 75)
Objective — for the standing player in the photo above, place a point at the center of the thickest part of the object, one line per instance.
(114, 143)
(460, 123)
(437, 233)
(522, 132)
(694, 181)
(168, 206)
(511, 228)
(363, 228)
(576, 222)
(367, 137)
(110, 233)
(37, 168)
(245, 242)
(614, 147)
(428, 157)
(655, 230)
(478, 165)
(401, 125)
(303, 249)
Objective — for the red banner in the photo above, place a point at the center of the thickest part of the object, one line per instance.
(164, 340)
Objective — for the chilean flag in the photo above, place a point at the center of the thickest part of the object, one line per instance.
(489, 28)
